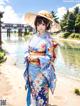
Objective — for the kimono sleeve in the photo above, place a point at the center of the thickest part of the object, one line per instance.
(27, 52)
(25, 74)
(49, 54)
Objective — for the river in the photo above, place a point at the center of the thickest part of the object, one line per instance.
(66, 63)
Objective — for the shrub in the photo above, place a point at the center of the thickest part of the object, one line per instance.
(72, 35)
(75, 35)
(77, 91)
(66, 34)
(2, 56)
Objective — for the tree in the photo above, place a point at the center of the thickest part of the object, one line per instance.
(71, 22)
(76, 11)
(77, 23)
(77, 19)
(54, 16)
(1, 15)
(63, 22)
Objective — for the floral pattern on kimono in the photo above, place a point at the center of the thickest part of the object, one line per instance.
(40, 78)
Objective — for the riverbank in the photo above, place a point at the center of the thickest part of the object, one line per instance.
(70, 40)
(58, 37)
(12, 87)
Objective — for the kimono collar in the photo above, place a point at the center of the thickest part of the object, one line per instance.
(44, 35)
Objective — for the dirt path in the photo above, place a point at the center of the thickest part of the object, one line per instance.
(12, 87)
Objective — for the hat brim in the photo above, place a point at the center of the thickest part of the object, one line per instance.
(30, 18)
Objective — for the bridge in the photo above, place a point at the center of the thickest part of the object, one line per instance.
(7, 28)
(20, 27)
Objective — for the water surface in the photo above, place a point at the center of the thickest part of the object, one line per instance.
(67, 61)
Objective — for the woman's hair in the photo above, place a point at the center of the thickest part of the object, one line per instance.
(40, 19)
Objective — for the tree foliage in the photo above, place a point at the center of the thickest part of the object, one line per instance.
(77, 23)
(63, 22)
(71, 21)
(54, 16)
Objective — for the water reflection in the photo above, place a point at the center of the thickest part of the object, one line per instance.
(69, 55)
(67, 62)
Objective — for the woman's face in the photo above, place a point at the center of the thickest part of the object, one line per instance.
(41, 27)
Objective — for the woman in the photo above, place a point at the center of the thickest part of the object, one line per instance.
(40, 72)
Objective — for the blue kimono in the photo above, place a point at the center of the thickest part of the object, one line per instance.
(39, 78)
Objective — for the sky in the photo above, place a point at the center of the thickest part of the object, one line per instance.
(14, 10)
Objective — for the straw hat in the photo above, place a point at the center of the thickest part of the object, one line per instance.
(30, 17)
